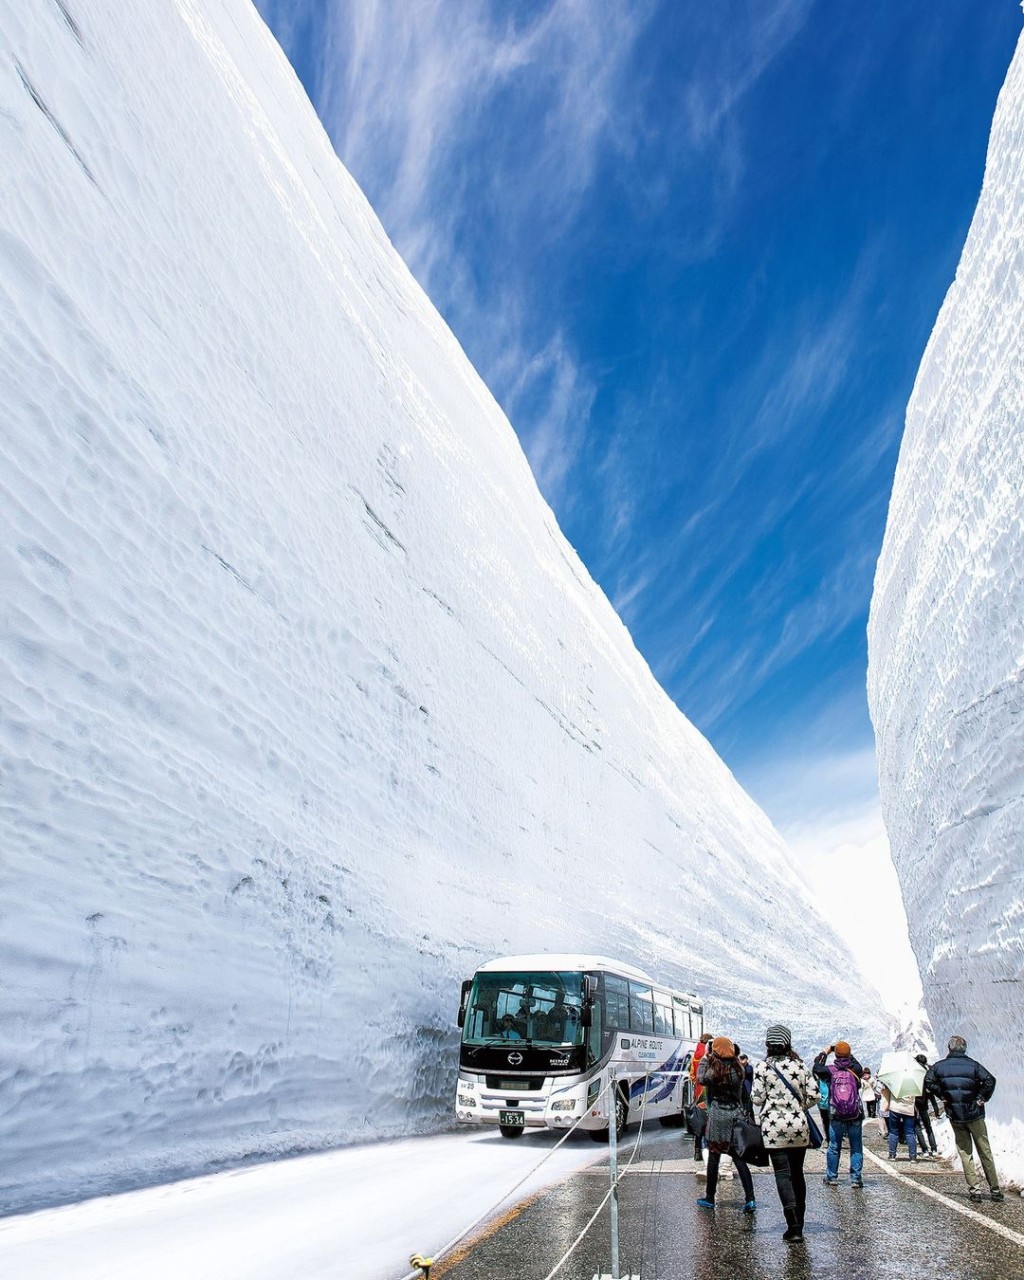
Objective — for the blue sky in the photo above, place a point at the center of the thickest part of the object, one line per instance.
(696, 250)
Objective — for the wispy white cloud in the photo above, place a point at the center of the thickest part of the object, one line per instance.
(422, 102)
(559, 397)
(837, 601)
(799, 370)
(715, 95)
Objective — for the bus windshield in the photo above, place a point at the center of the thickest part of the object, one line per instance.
(539, 1008)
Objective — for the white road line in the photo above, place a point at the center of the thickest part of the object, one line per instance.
(997, 1227)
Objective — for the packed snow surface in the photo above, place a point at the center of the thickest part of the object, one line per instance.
(946, 679)
(358, 1212)
(306, 705)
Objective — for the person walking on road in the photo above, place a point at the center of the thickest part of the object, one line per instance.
(868, 1092)
(721, 1075)
(965, 1086)
(922, 1122)
(900, 1114)
(841, 1078)
(783, 1090)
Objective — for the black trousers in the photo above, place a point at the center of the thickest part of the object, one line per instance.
(788, 1164)
(742, 1168)
(924, 1130)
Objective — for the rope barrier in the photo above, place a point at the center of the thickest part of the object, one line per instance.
(580, 1238)
(418, 1273)
(422, 1264)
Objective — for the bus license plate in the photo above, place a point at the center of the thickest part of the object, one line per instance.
(511, 1119)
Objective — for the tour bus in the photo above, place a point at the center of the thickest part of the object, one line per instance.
(542, 1034)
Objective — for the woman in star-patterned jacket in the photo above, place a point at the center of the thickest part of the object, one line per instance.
(783, 1120)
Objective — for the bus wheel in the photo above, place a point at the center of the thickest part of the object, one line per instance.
(511, 1130)
(621, 1116)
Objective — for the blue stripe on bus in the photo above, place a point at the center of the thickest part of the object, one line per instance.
(655, 1080)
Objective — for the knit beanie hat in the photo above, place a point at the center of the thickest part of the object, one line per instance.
(778, 1037)
(723, 1047)
(842, 1049)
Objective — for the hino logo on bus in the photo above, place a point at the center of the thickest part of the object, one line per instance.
(514, 1059)
(559, 1060)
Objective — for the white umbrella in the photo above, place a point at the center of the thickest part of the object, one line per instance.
(902, 1074)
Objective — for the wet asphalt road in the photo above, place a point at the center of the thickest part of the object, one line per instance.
(884, 1231)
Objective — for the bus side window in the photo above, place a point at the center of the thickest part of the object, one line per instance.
(697, 1019)
(682, 1018)
(616, 995)
(641, 1008)
(662, 1014)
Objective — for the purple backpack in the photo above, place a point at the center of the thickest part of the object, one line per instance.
(845, 1093)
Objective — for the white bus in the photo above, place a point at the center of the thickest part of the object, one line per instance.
(541, 1035)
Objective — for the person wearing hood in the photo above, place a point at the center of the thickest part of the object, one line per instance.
(964, 1087)
(841, 1081)
(783, 1090)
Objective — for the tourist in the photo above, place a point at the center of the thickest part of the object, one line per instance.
(965, 1086)
(783, 1090)
(721, 1075)
(841, 1079)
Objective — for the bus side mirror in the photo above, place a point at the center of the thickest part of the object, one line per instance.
(587, 1008)
(467, 986)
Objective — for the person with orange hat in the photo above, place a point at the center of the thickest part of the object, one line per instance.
(721, 1075)
(842, 1078)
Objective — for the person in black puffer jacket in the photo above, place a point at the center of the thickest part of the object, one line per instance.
(965, 1086)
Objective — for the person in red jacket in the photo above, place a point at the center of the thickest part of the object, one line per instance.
(699, 1100)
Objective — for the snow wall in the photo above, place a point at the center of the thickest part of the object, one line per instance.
(306, 705)
(946, 640)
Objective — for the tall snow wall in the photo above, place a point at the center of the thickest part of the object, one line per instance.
(306, 705)
(946, 642)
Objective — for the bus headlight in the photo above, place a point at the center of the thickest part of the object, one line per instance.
(566, 1104)
(466, 1101)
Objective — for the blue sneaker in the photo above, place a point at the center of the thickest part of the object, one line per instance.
(705, 1204)
(750, 1206)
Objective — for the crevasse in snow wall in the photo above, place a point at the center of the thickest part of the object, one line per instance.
(946, 640)
(306, 705)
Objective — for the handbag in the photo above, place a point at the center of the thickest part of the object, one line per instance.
(748, 1141)
(812, 1124)
(696, 1119)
